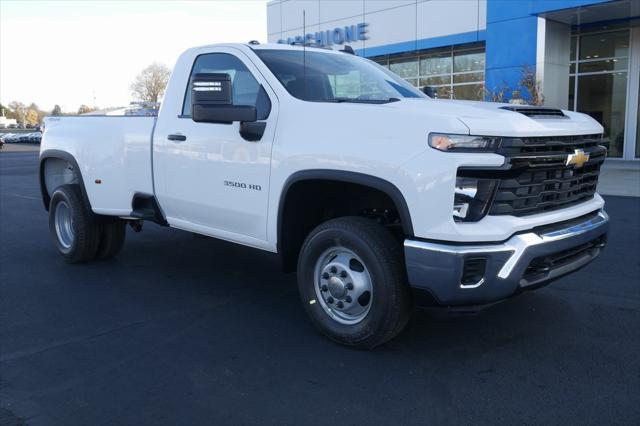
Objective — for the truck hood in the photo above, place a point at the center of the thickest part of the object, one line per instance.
(491, 119)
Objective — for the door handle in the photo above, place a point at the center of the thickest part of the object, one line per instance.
(177, 138)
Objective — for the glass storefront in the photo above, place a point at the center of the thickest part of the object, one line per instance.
(599, 82)
(454, 72)
(599, 76)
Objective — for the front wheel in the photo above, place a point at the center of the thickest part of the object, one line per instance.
(352, 282)
(74, 230)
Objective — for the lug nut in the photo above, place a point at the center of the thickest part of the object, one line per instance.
(349, 286)
(334, 269)
(343, 274)
(324, 288)
(340, 304)
(325, 276)
(330, 299)
(347, 299)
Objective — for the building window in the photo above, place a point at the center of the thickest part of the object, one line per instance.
(455, 72)
(599, 70)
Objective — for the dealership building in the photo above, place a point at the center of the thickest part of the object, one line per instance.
(581, 55)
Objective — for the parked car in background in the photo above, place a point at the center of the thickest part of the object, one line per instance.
(12, 126)
(9, 138)
(35, 137)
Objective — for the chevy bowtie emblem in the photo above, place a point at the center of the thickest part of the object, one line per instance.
(578, 158)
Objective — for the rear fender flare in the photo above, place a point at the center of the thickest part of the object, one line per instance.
(65, 156)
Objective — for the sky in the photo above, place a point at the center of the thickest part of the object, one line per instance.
(72, 52)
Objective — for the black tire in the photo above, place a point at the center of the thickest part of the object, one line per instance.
(112, 238)
(382, 257)
(85, 230)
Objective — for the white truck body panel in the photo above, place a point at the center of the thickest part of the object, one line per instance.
(114, 150)
(189, 175)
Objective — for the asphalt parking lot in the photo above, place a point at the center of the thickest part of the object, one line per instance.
(184, 330)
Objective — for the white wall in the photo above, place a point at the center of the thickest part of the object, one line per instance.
(552, 62)
(390, 21)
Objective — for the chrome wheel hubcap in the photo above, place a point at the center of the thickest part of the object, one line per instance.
(343, 285)
(64, 224)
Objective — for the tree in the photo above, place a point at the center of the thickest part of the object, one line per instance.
(31, 117)
(532, 86)
(23, 114)
(527, 90)
(56, 110)
(34, 114)
(19, 111)
(150, 84)
(85, 109)
(4, 111)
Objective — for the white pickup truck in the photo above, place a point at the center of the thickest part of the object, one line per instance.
(379, 196)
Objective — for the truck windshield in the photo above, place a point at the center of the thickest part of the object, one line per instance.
(330, 77)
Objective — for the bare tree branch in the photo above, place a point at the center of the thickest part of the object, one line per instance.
(150, 84)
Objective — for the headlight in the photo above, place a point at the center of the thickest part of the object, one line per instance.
(472, 198)
(467, 143)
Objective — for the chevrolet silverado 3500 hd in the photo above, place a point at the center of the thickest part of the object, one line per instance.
(379, 196)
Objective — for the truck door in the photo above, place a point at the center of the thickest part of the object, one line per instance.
(208, 177)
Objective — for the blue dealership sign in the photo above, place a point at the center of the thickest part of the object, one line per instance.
(338, 35)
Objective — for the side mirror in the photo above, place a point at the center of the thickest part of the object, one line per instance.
(212, 100)
(430, 92)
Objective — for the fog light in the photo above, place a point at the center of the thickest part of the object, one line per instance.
(473, 272)
(472, 198)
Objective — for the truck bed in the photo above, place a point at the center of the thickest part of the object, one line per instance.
(114, 154)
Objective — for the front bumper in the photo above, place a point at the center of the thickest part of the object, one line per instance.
(497, 271)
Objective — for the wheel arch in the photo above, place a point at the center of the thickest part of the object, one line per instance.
(63, 156)
(370, 182)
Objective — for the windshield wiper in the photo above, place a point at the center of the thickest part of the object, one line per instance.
(365, 101)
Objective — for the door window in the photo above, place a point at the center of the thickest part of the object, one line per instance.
(245, 88)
